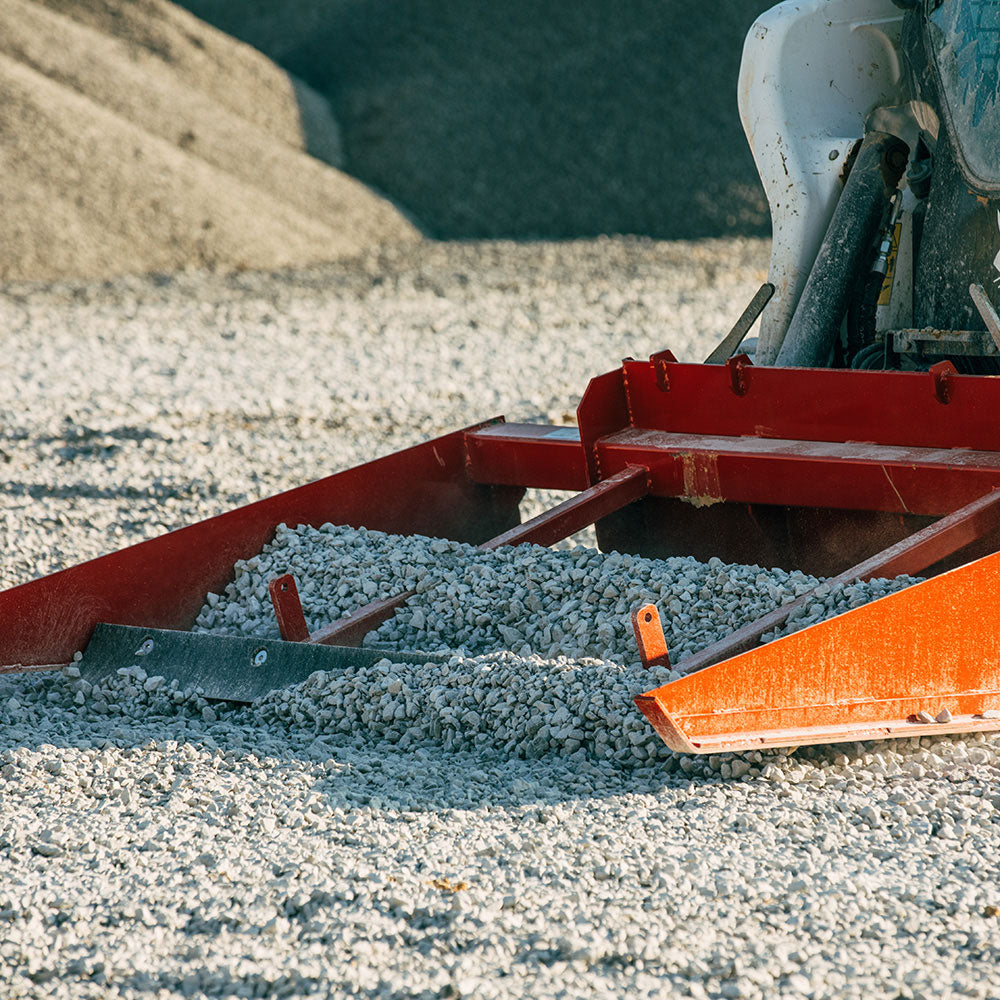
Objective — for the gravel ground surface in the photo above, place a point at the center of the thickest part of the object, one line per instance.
(152, 845)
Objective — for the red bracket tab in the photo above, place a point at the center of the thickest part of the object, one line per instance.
(738, 379)
(288, 608)
(941, 374)
(659, 361)
(649, 637)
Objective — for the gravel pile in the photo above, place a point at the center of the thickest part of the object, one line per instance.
(155, 845)
(525, 599)
(561, 667)
(138, 138)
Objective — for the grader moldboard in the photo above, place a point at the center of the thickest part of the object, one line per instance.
(823, 465)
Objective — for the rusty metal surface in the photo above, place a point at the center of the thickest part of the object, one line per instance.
(20, 668)
(737, 368)
(865, 674)
(929, 342)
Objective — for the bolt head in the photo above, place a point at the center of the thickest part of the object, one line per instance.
(260, 658)
(145, 648)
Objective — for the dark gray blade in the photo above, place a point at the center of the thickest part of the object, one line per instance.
(734, 338)
(226, 668)
(986, 311)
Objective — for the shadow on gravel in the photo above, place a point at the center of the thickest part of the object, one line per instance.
(348, 773)
(530, 120)
(80, 436)
(88, 491)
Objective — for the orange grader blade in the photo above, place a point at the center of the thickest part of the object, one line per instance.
(929, 652)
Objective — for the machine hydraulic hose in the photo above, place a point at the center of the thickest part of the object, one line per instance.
(845, 252)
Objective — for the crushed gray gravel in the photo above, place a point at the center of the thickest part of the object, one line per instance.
(155, 845)
(525, 598)
(547, 661)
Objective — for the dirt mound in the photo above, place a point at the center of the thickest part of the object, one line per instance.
(527, 119)
(137, 138)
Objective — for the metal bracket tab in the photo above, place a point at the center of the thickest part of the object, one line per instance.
(738, 379)
(288, 608)
(659, 361)
(649, 637)
(941, 375)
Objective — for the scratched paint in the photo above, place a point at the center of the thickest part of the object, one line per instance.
(701, 478)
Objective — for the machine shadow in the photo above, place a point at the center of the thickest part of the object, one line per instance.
(353, 772)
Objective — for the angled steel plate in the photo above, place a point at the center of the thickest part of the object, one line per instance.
(226, 668)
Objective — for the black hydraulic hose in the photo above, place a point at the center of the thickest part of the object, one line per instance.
(862, 313)
(845, 252)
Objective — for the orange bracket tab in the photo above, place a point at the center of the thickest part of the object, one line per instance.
(649, 637)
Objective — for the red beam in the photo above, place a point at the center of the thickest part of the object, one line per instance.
(351, 631)
(578, 512)
(538, 455)
(851, 476)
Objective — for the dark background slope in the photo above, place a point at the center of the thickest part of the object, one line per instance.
(530, 119)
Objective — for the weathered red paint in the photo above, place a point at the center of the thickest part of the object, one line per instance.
(162, 583)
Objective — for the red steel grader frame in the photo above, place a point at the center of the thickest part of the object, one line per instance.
(843, 474)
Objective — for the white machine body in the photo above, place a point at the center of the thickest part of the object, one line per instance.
(812, 73)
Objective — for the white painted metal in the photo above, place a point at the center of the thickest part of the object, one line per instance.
(812, 72)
